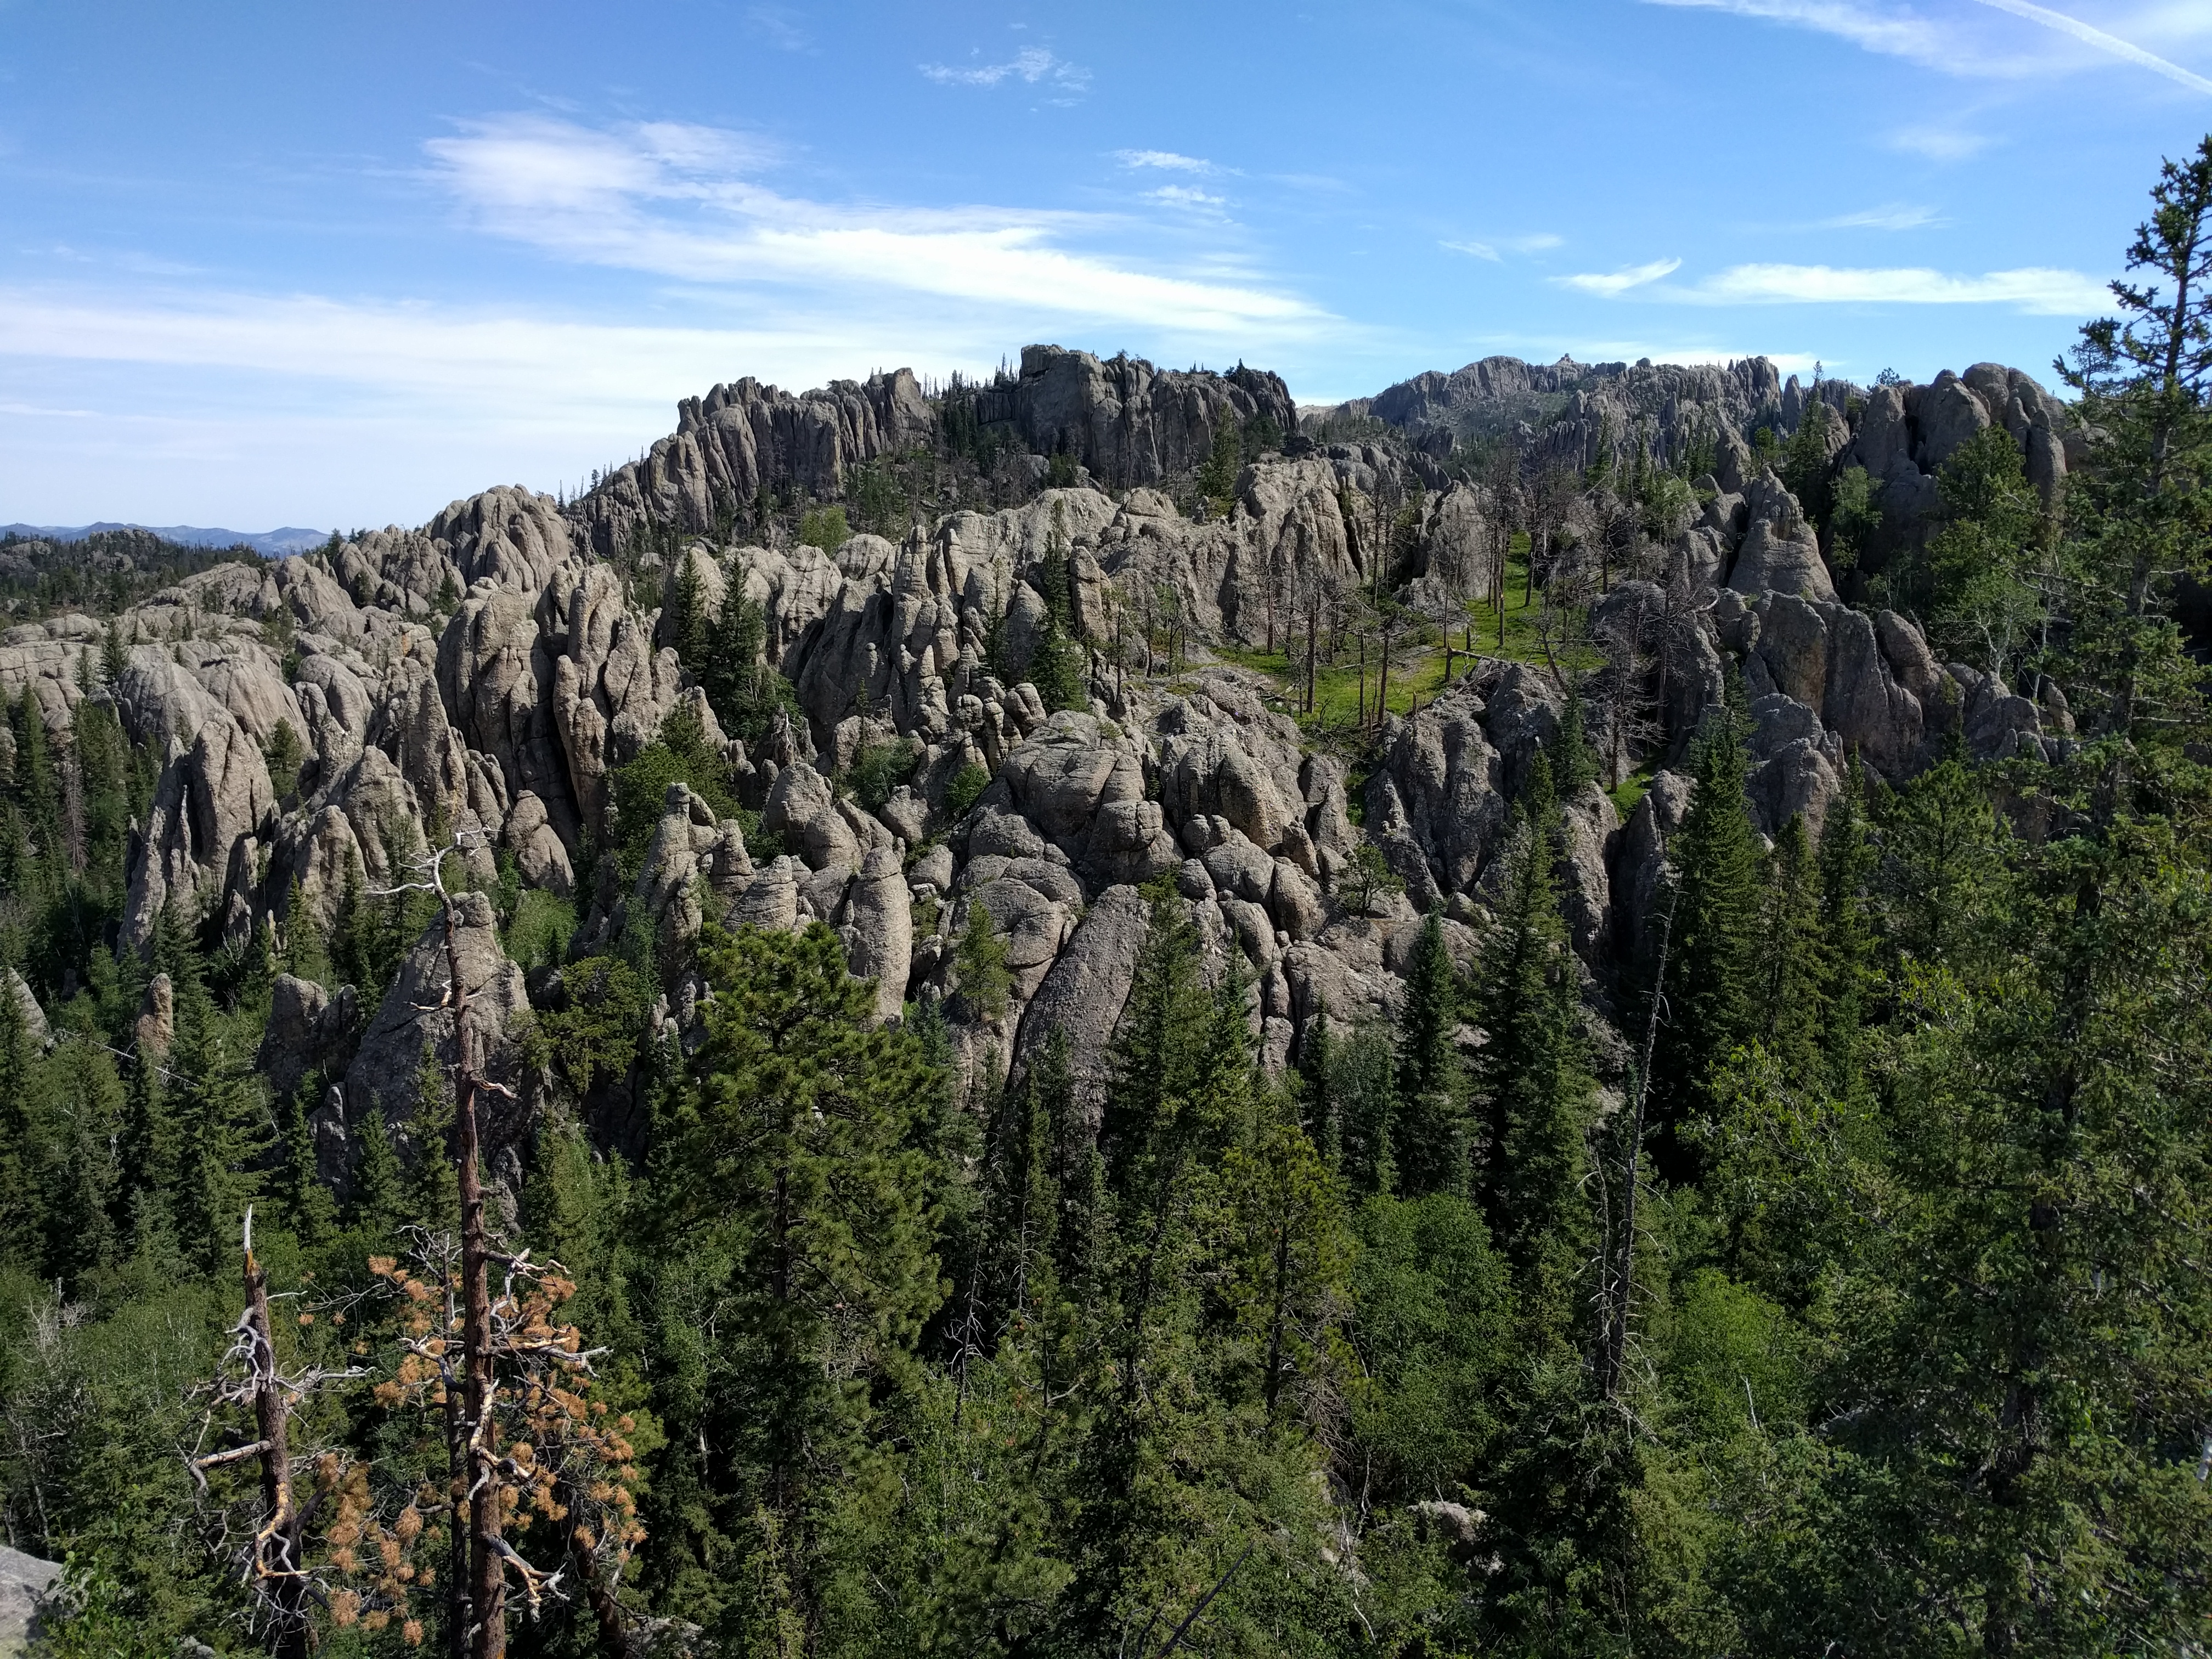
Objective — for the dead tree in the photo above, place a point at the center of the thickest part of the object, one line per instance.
(283, 1587)
(509, 1381)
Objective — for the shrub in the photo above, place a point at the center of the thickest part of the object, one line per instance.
(966, 788)
(824, 527)
(880, 767)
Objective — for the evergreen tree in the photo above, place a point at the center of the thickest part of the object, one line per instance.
(309, 1209)
(1577, 762)
(1787, 1012)
(1845, 934)
(1532, 1079)
(378, 1206)
(1712, 980)
(1943, 866)
(22, 1195)
(1431, 1144)
(87, 1104)
(221, 1130)
(789, 1163)
(2140, 516)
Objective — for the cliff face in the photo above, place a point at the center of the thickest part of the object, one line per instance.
(488, 672)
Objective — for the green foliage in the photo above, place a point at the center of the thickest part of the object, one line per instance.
(745, 692)
(1430, 1143)
(1370, 877)
(979, 963)
(1710, 987)
(965, 789)
(678, 754)
(542, 925)
(1217, 473)
(1854, 516)
(1978, 583)
(594, 1032)
(824, 527)
(879, 768)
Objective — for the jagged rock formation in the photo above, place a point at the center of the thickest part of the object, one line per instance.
(485, 674)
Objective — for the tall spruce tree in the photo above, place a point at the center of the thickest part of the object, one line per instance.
(221, 1129)
(1431, 1144)
(789, 1163)
(1789, 1012)
(1711, 980)
(1532, 1077)
(1845, 937)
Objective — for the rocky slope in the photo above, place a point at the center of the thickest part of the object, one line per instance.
(488, 672)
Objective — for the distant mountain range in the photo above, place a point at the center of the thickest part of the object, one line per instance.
(272, 543)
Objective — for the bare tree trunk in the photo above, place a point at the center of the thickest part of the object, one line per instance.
(487, 1565)
(1382, 685)
(278, 1552)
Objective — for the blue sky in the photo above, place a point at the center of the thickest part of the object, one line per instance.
(339, 263)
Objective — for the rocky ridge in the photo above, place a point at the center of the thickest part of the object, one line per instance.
(487, 672)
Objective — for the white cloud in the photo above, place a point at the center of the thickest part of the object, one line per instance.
(1497, 247)
(2109, 44)
(1946, 44)
(685, 203)
(1184, 196)
(2039, 291)
(1937, 144)
(1897, 33)
(1165, 159)
(780, 26)
(1896, 216)
(1620, 282)
(1032, 64)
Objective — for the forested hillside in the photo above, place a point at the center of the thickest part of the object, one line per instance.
(1563, 1011)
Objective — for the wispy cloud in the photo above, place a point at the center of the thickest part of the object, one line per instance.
(1166, 159)
(1946, 44)
(1620, 282)
(2039, 289)
(1895, 216)
(1897, 33)
(2126, 50)
(1939, 144)
(1184, 196)
(688, 203)
(1498, 247)
(780, 26)
(1032, 64)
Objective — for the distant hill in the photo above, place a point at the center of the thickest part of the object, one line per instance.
(270, 543)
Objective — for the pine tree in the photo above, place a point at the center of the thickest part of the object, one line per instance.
(1845, 934)
(221, 1130)
(22, 1195)
(1788, 1011)
(1431, 1144)
(377, 1204)
(1532, 1077)
(790, 1160)
(1943, 867)
(1577, 762)
(1711, 980)
(309, 1210)
(2141, 514)
(87, 1105)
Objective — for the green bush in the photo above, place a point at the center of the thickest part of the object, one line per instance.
(880, 767)
(681, 754)
(824, 527)
(966, 788)
(541, 926)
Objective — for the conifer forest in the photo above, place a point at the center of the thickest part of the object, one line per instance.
(1565, 1012)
